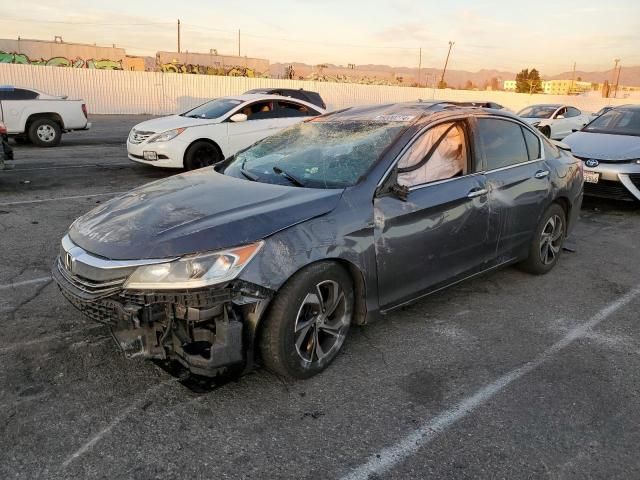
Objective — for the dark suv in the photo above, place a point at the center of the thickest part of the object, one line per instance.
(306, 95)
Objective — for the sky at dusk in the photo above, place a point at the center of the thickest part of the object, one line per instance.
(505, 35)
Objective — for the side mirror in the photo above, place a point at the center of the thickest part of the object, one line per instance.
(238, 117)
(574, 130)
(561, 145)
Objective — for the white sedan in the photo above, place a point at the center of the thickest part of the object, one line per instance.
(554, 120)
(215, 130)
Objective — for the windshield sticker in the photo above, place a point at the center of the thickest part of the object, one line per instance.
(394, 118)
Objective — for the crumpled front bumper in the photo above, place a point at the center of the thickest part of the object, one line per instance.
(207, 330)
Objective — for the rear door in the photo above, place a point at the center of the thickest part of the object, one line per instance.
(440, 233)
(14, 101)
(518, 180)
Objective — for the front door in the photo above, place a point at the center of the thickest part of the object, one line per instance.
(262, 121)
(440, 233)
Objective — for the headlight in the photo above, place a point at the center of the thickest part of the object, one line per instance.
(193, 271)
(166, 136)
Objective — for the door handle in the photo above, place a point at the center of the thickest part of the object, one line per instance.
(542, 174)
(477, 192)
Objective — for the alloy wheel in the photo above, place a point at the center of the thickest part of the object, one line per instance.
(322, 322)
(46, 133)
(551, 239)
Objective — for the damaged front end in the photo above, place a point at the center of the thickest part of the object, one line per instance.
(209, 329)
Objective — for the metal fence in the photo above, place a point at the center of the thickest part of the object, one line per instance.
(121, 91)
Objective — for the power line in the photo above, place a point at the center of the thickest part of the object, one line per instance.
(9, 19)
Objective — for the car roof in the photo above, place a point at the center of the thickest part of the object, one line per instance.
(247, 97)
(628, 107)
(409, 112)
(554, 105)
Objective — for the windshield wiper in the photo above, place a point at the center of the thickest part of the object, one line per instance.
(249, 175)
(288, 176)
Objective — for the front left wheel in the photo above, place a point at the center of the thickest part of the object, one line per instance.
(308, 321)
(201, 154)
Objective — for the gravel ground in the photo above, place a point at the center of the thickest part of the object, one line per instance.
(506, 376)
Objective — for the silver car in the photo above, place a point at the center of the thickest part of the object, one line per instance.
(609, 146)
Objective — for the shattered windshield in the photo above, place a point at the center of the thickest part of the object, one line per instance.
(538, 111)
(621, 122)
(317, 154)
(213, 109)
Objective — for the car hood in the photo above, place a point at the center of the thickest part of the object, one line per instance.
(170, 122)
(604, 146)
(195, 212)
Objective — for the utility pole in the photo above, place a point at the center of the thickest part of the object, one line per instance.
(238, 42)
(613, 74)
(573, 76)
(419, 65)
(446, 62)
(615, 89)
(178, 35)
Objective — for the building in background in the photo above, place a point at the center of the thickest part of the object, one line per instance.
(212, 64)
(509, 85)
(565, 87)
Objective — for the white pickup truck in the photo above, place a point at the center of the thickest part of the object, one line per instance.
(39, 118)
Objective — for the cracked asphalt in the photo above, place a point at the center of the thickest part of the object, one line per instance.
(72, 407)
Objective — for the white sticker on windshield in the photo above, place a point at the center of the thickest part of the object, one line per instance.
(394, 118)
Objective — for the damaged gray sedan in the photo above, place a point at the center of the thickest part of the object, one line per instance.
(274, 253)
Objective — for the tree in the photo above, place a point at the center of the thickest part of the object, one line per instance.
(442, 84)
(494, 83)
(468, 85)
(528, 81)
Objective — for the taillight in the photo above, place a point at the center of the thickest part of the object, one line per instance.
(84, 110)
(3, 129)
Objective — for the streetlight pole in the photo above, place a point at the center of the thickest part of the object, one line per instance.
(446, 62)
(613, 74)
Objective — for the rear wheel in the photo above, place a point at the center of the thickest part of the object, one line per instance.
(201, 154)
(308, 321)
(45, 132)
(546, 245)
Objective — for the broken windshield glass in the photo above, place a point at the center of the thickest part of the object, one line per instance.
(317, 154)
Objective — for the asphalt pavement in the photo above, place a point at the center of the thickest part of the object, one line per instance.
(507, 376)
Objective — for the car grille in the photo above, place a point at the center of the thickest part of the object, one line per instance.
(90, 289)
(139, 136)
(635, 179)
(608, 189)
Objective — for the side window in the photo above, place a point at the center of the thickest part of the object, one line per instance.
(18, 94)
(561, 112)
(533, 144)
(291, 109)
(259, 110)
(572, 112)
(438, 154)
(502, 142)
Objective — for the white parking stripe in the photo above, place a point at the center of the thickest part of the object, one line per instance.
(387, 458)
(73, 197)
(98, 436)
(8, 286)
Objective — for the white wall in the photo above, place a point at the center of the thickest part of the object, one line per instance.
(113, 91)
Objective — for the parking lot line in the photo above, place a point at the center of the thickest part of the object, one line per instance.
(7, 286)
(393, 455)
(25, 202)
(98, 436)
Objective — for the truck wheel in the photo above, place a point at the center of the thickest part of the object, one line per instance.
(308, 321)
(45, 132)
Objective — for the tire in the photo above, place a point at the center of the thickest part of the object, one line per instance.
(44, 132)
(546, 131)
(546, 245)
(301, 336)
(201, 154)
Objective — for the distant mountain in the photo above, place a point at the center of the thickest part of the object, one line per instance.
(629, 76)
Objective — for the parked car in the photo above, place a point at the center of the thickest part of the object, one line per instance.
(603, 110)
(609, 146)
(300, 94)
(329, 223)
(481, 103)
(7, 151)
(40, 118)
(554, 120)
(214, 130)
